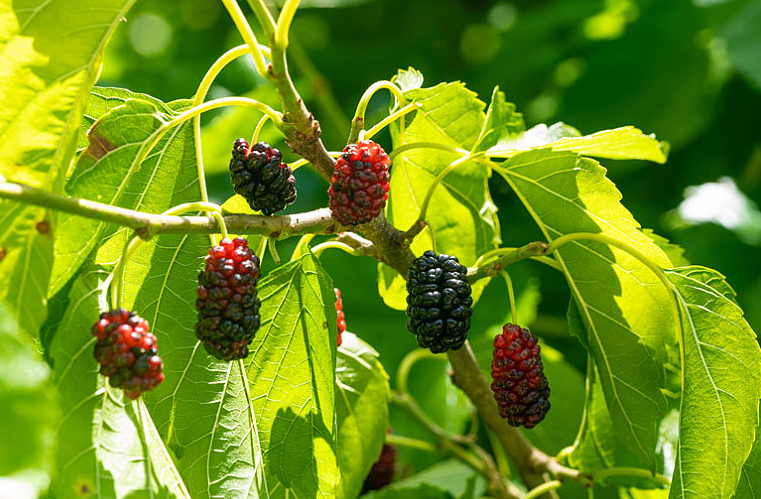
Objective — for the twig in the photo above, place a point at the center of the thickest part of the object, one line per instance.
(148, 224)
(494, 267)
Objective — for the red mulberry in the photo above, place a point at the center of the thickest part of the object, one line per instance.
(341, 321)
(359, 189)
(520, 387)
(126, 351)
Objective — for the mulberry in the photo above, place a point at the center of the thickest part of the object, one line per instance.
(227, 304)
(259, 175)
(126, 351)
(359, 188)
(382, 472)
(438, 302)
(520, 387)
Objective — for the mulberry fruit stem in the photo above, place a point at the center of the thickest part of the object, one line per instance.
(412, 443)
(542, 489)
(511, 296)
(390, 119)
(247, 34)
(284, 23)
(358, 121)
(318, 249)
(264, 16)
(301, 162)
(263, 121)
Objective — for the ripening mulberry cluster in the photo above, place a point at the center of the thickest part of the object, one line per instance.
(520, 387)
(438, 302)
(359, 188)
(126, 351)
(227, 304)
(260, 176)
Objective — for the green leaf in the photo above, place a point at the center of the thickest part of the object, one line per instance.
(750, 477)
(742, 38)
(721, 387)
(107, 445)
(29, 412)
(461, 213)
(26, 259)
(50, 53)
(105, 173)
(362, 395)
(502, 122)
(291, 370)
(619, 143)
(451, 476)
(421, 491)
(202, 409)
(623, 305)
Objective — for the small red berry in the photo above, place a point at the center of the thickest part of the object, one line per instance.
(341, 321)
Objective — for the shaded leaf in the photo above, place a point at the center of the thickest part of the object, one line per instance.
(30, 410)
(106, 443)
(362, 396)
(203, 409)
(291, 372)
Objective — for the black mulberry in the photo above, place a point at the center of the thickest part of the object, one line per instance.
(259, 175)
(438, 302)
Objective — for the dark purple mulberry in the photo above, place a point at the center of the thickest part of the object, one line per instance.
(260, 176)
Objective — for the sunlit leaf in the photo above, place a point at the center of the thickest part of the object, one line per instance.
(623, 305)
(720, 390)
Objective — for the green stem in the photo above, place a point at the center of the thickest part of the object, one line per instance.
(302, 245)
(258, 129)
(412, 443)
(505, 257)
(429, 194)
(405, 366)
(117, 285)
(264, 16)
(262, 250)
(284, 23)
(602, 475)
(543, 489)
(511, 296)
(390, 119)
(358, 121)
(303, 161)
(318, 249)
(248, 36)
(271, 245)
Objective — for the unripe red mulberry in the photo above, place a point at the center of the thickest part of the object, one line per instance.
(520, 387)
(341, 321)
(126, 351)
(359, 188)
(227, 304)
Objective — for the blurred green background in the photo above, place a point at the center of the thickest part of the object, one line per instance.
(688, 71)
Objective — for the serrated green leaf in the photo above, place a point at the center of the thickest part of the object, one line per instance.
(362, 395)
(750, 476)
(619, 143)
(623, 305)
(461, 212)
(721, 387)
(26, 259)
(202, 409)
(30, 410)
(45, 82)
(291, 371)
(105, 173)
(106, 444)
(408, 79)
(502, 122)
